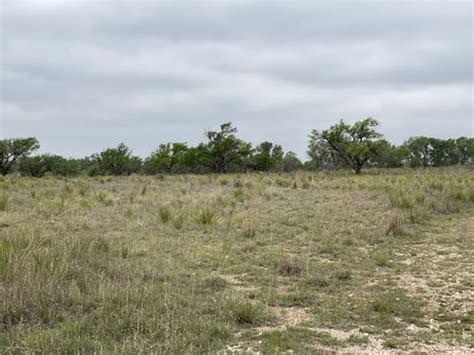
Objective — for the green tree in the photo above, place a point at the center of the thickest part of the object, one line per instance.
(118, 161)
(39, 165)
(355, 145)
(389, 155)
(159, 161)
(169, 158)
(465, 150)
(267, 157)
(227, 152)
(68, 167)
(198, 159)
(12, 150)
(321, 155)
(291, 162)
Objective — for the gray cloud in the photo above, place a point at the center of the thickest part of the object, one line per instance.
(85, 75)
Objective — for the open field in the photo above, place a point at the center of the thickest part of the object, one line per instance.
(232, 263)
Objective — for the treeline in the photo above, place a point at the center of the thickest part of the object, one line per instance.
(342, 145)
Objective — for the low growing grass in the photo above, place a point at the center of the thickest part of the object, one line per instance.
(260, 262)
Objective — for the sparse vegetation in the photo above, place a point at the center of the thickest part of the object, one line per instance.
(377, 262)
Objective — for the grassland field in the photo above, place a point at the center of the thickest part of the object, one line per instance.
(269, 263)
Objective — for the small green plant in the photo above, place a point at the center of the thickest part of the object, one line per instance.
(238, 184)
(289, 266)
(391, 343)
(418, 215)
(206, 216)
(101, 245)
(401, 199)
(239, 194)
(82, 189)
(248, 313)
(381, 259)
(343, 275)
(128, 212)
(164, 213)
(214, 284)
(124, 251)
(178, 221)
(3, 202)
(104, 199)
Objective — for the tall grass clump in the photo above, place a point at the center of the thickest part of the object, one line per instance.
(3, 202)
(249, 314)
(405, 199)
(394, 225)
(164, 214)
(206, 216)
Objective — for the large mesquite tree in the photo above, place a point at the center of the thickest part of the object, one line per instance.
(355, 145)
(12, 150)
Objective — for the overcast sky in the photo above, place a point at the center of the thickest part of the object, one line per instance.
(85, 75)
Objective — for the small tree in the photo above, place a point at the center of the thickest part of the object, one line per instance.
(169, 158)
(12, 150)
(267, 157)
(39, 165)
(291, 162)
(355, 145)
(118, 161)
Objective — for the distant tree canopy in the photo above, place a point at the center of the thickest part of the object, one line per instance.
(226, 151)
(354, 145)
(117, 161)
(342, 145)
(39, 165)
(361, 145)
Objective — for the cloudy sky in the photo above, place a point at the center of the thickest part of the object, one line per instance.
(85, 75)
